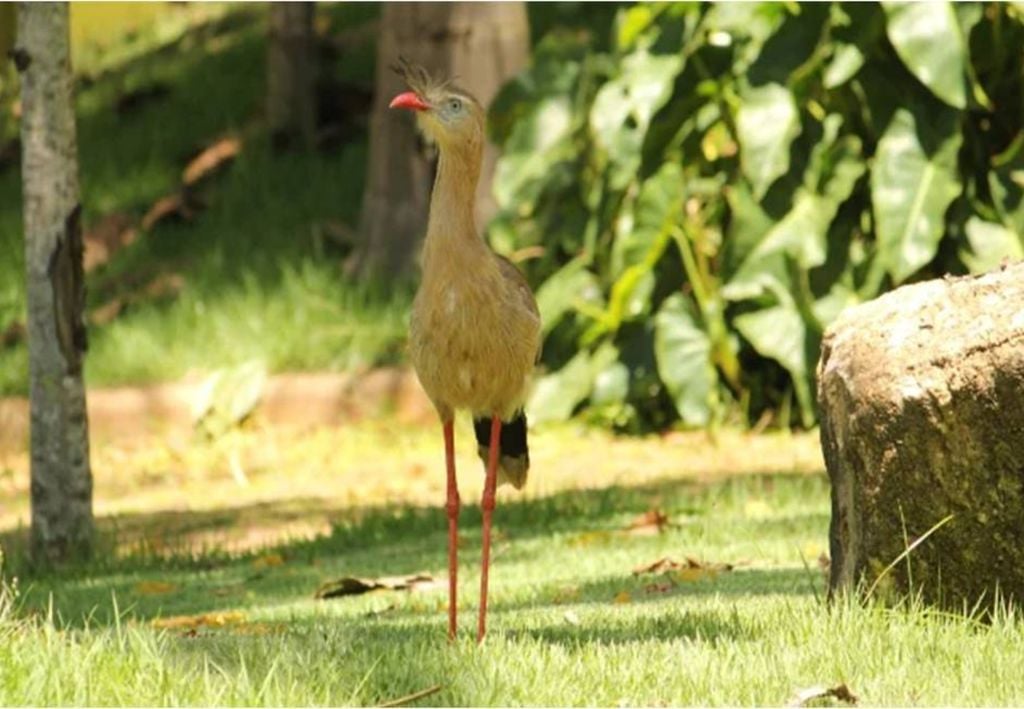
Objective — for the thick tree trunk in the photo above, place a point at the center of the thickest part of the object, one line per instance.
(62, 522)
(922, 417)
(482, 45)
(291, 75)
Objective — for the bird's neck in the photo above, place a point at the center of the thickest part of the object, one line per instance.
(451, 228)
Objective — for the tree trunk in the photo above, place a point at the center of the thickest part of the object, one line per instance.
(62, 522)
(922, 417)
(291, 75)
(482, 45)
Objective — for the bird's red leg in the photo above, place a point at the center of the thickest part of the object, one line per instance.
(490, 483)
(453, 526)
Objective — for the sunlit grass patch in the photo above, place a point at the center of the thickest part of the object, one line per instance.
(571, 623)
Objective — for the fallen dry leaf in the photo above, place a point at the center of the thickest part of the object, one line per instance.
(165, 285)
(106, 237)
(211, 158)
(107, 312)
(689, 569)
(656, 567)
(658, 588)
(653, 521)
(172, 205)
(216, 619)
(622, 597)
(155, 588)
(352, 586)
(840, 692)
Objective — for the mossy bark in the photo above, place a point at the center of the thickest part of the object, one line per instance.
(922, 405)
(62, 521)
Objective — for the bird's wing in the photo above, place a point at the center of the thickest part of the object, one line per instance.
(514, 276)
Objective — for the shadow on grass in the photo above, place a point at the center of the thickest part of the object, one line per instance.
(665, 627)
(385, 540)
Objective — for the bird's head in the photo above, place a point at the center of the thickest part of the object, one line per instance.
(448, 116)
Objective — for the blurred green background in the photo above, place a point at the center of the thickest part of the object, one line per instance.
(694, 190)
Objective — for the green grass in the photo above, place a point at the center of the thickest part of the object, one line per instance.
(755, 635)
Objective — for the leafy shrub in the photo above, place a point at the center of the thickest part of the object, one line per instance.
(702, 200)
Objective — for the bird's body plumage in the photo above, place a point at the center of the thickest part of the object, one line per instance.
(473, 338)
(475, 331)
(475, 328)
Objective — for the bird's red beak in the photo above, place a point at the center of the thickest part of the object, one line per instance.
(409, 100)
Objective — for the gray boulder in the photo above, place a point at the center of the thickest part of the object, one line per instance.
(921, 393)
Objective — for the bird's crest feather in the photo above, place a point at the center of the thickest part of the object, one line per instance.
(419, 79)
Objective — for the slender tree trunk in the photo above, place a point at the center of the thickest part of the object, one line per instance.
(62, 522)
(291, 75)
(482, 45)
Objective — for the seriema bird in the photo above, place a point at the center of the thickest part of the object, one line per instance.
(475, 331)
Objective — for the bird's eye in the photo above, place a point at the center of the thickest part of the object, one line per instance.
(454, 105)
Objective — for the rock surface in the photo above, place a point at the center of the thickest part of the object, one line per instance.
(921, 394)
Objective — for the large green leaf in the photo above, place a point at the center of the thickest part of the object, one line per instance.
(847, 59)
(557, 395)
(536, 143)
(833, 170)
(624, 106)
(570, 288)
(748, 224)
(838, 299)
(554, 72)
(991, 245)
(780, 333)
(911, 190)
(927, 38)
(802, 232)
(767, 123)
(633, 24)
(1006, 185)
(746, 24)
(658, 203)
(683, 354)
(630, 296)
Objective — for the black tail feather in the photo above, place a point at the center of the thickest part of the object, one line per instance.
(514, 459)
